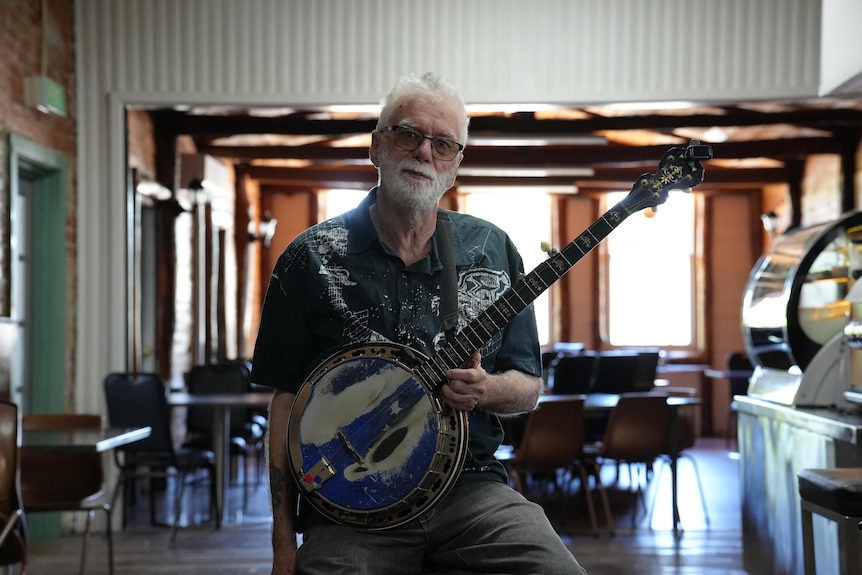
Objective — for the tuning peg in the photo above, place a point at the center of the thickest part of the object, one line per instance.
(546, 247)
(687, 190)
(650, 212)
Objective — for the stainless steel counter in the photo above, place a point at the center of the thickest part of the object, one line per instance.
(776, 441)
(842, 425)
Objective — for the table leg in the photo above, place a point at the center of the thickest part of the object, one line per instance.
(674, 456)
(221, 446)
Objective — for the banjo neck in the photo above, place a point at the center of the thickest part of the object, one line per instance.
(679, 169)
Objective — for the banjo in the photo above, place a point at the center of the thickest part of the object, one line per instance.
(371, 444)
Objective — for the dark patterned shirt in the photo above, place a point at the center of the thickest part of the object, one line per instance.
(337, 285)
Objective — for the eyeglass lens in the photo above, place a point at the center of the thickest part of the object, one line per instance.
(409, 139)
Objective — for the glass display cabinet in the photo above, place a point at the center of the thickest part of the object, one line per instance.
(794, 302)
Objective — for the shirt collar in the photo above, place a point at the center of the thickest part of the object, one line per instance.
(363, 234)
(359, 222)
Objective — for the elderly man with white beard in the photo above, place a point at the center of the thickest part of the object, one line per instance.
(376, 274)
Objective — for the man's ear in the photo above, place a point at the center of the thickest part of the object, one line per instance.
(455, 171)
(375, 145)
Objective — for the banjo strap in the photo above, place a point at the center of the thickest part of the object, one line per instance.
(449, 276)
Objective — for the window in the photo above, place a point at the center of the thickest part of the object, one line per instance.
(336, 202)
(650, 271)
(525, 214)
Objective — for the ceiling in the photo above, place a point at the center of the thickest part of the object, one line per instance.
(575, 148)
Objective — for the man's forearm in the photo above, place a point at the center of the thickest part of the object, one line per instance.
(513, 392)
(283, 492)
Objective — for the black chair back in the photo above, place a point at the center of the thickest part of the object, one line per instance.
(646, 370)
(139, 400)
(233, 377)
(572, 374)
(738, 363)
(616, 372)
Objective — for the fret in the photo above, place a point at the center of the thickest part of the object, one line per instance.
(546, 273)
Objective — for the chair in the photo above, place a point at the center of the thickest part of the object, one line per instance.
(13, 528)
(548, 359)
(246, 429)
(136, 400)
(686, 437)
(835, 494)
(647, 367)
(637, 433)
(66, 481)
(738, 364)
(554, 440)
(616, 372)
(572, 374)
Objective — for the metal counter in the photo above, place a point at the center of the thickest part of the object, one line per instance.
(776, 441)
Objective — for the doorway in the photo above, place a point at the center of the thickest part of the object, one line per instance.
(34, 330)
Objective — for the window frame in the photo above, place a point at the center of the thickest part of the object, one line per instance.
(697, 268)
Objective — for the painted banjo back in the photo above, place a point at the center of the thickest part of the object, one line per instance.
(371, 444)
(370, 441)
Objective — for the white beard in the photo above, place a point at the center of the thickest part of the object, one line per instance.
(410, 193)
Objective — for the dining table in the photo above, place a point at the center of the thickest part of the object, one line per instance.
(604, 402)
(221, 404)
(83, 439)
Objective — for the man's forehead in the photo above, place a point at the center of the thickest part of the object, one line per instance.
(441, 115)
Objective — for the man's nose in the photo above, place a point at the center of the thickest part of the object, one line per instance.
(423, 152)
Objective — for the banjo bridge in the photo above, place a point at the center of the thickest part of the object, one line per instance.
(317, 475)
(349, 447)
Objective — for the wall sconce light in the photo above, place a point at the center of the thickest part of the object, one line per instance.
(770, 222)
(153, 190)
(265, 229)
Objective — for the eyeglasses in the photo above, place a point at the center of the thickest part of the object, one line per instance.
(409, 139)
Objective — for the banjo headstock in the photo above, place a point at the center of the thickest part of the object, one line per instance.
(679, 169)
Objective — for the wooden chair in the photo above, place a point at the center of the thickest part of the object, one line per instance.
(138, 400)
(13, 528)
(554, 440)
(637, 433)
(686, 437)
(66, 481)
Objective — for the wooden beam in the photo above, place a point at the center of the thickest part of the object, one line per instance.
(545, 155)
(297, 124)
(366, 177)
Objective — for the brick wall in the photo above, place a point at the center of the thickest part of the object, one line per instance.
(33, 44)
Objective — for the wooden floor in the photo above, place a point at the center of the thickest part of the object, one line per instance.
(243, 546)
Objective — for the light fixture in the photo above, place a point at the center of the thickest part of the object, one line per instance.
(265, 229)
(153, 190)
(770, 222)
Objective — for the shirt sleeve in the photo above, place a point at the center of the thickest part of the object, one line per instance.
(283, 349)
(519, 348)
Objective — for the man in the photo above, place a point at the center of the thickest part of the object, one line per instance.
(374, 274)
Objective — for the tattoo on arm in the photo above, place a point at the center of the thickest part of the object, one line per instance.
(276, 486)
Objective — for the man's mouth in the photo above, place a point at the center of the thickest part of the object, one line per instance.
(417, 174)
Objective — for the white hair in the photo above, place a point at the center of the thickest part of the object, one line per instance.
(430, 86)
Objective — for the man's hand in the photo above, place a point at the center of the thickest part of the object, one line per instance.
(467, 385)
(508, 392)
